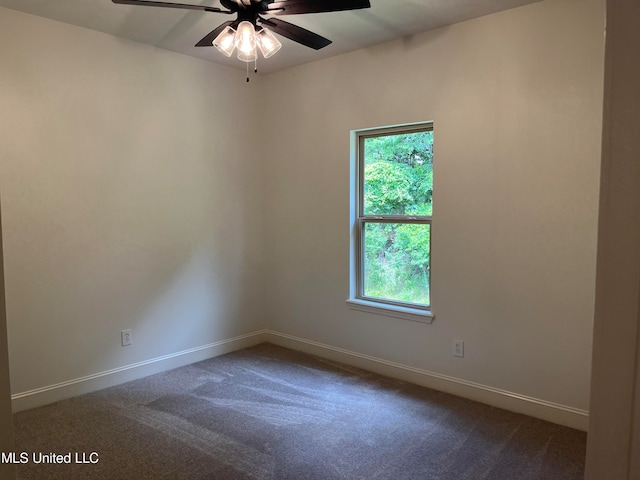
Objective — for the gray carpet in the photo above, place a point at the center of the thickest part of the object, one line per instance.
(272, 413)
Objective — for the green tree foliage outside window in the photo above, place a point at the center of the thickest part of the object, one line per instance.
(397, 208)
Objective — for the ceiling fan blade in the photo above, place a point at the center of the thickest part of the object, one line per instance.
(295, 7)
(295, 33)
(183, 6)
(208, 39)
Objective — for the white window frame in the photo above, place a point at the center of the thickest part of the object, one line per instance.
(357, 300)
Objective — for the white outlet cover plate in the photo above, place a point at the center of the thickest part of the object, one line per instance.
(126, 338)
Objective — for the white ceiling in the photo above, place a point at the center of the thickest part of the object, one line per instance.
(179, 30)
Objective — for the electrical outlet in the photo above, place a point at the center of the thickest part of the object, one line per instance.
(458, 348)
(126, 337)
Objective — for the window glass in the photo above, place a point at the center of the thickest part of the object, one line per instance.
(398, 174)
(396, 262)
(394, 208)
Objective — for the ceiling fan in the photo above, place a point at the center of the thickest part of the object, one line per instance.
(247, 32)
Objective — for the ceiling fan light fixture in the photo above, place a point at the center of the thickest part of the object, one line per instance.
(226, 41)
(248, 56)
(268, 43)
(246, 33)
(246, 42)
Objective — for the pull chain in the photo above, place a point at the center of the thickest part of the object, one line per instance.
(255, 68)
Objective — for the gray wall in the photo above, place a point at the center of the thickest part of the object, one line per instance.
(614, 428)
(516, 100)
(128, 202)
(6, 421)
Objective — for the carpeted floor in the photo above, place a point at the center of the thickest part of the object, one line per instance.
(271, 413)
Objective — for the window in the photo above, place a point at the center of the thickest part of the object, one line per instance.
(392, 203)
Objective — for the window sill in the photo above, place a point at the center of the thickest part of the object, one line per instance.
(405, 313)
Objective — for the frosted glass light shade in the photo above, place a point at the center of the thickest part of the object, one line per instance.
(268, 43)
(226, 41)
(246, 42)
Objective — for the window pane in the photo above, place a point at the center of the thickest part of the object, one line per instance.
(397, 261)
(398, 174)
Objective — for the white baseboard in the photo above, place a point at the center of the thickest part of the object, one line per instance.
(549, 411)
(79, 386)
(542, 409)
